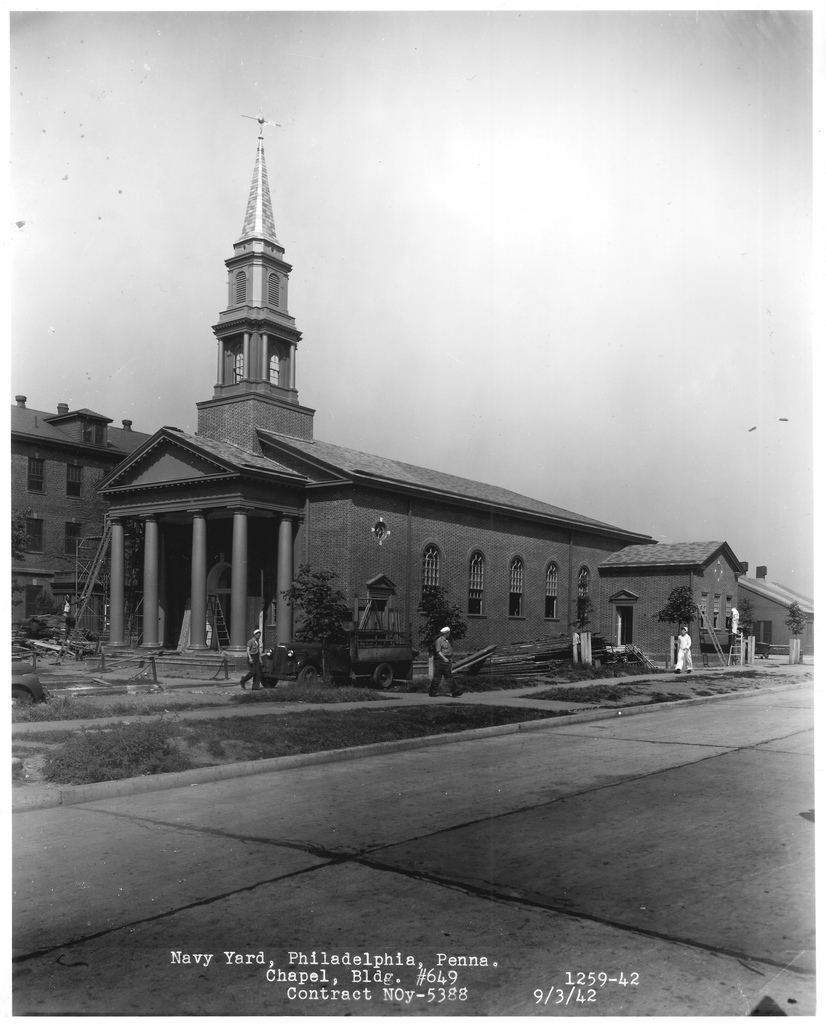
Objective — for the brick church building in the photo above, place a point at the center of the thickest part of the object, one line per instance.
(230, 512)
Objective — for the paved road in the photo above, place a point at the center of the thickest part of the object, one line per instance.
(673, 852)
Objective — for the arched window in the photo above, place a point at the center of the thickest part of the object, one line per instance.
(551, 584)
(516, 579)
(240, 287)
(273, 289)
(476, 584)
(275, 367)
(237, 363)
(430, 566)
(583, 583)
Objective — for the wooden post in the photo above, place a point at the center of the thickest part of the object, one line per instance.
(585, 649)
(669, 654)
(794, 650)
(154, 670)
(575, 648)
(750, 641)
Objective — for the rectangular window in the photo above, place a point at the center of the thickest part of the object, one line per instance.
(92, 432)
(74, 479)
(34, 534)
(37, 469)
(715, 619)
(32, 594)
(728, 612)
(550, 592)
(72, 536)
(704, 610)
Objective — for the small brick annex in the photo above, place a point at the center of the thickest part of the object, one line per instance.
(231, 511)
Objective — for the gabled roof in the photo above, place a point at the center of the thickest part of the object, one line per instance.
(74, 413)
(38, 425)
(692, 553)
(777, 592)
(219, 459)
(355, 466)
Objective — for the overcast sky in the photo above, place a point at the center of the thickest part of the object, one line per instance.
(566, 253)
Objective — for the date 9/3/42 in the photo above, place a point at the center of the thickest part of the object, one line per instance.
(578, 987)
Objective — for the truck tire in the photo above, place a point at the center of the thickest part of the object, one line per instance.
(309, 674)
(383, 675)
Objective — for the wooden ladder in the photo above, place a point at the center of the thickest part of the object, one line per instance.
(215, 615)
(704, 625)
(735, 652)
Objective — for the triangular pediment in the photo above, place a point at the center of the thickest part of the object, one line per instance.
(381, 583)
(164, 461)
(624, 595)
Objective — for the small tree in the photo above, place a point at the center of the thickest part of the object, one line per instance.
(796, 619)
(323, 607)
(436, 611)
(584, 607)
(18, 543)
(746, 608)
(679, 608)
(44, 603)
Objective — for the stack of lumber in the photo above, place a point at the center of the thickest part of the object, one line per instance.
(532, 656)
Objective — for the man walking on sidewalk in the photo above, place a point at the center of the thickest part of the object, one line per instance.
(683, 651)
(442, 665)
(254, 659)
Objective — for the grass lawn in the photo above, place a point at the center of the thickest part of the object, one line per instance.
(123, 750)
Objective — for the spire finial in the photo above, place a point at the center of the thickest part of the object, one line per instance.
(261, 121)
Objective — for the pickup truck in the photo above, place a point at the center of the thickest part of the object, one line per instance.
(378, 655)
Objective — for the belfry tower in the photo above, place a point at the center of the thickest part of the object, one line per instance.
(257, 337)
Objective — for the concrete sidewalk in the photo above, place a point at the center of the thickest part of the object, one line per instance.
(41, 796)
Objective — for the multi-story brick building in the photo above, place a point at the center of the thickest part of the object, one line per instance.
(57, 461)
(229, 512)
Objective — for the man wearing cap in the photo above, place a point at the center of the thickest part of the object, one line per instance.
(683, 651)
(442, 664)
(254, 659)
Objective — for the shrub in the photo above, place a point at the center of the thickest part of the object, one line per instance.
(119, 752)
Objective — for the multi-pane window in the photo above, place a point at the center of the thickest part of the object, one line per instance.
(704, 609)
(71, 537)
(240, 287)
(583, 586)
(715, 621)
(74, 479)
(37, 469)
(551, 584)
(430, 566)
(93, 432)
(237, 363)
(34, 534)
(476, 585)
(273, 289)
(517, 574)
(275, 367)
(728, 612)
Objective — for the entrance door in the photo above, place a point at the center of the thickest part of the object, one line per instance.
(625, 624)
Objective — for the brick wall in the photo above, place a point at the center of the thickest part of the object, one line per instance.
(339, 536)
(236, 419)
(55, 508)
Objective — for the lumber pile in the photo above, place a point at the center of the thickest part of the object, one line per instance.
(532, 656)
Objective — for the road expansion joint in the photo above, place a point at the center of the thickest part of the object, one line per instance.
(513, 898)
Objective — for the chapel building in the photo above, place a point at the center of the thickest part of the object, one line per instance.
(229, 512)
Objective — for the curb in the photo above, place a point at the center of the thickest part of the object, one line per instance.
(46, 799)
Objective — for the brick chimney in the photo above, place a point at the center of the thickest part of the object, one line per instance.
(761, 572)
(127, 424)
(744, 568)
(21, 401)
(62, 408)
